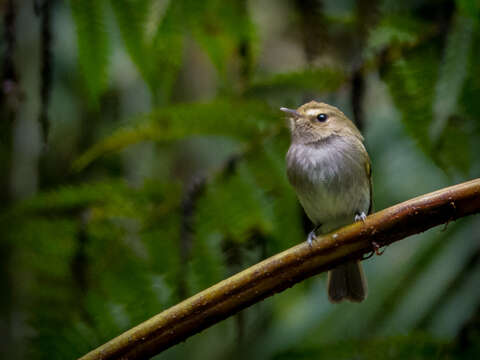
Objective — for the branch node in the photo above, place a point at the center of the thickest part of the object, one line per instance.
(377, 247)
(452, 217)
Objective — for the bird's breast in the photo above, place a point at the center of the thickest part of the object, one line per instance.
(330, 180)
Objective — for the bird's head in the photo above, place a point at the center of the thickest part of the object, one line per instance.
(315, 121)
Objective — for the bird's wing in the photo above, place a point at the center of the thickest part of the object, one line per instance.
(368, 169)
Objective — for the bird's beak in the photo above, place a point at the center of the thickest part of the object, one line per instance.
(294, 113)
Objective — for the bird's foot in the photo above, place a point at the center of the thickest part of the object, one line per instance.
(360, 216)
(311, 236)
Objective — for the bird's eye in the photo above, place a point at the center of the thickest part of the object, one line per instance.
(322, 117)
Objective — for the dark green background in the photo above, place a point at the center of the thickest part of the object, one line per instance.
(162, 169)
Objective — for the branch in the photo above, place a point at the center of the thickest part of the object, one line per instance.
(283, 270)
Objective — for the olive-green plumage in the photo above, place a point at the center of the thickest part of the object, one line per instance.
(329, 168)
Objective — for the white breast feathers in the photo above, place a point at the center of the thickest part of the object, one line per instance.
(330, 179)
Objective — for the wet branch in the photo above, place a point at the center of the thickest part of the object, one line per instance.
(284, 270)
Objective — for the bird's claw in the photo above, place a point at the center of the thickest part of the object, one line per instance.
(361, 216)
(311, 236)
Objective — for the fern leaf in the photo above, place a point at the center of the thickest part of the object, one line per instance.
(166, 50)
(395, 30)
(221, 30)
(93, 45)
(69, 198)
(469, 104)
(411, 81)
(242, 120)
(268, 167)
(132, 16)
(321, 80)
(453, 149)
(233, 209)
(452, 73)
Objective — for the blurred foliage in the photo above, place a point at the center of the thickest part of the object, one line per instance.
(155, 186)
(245, 120)
(93, 45)
(415, 346)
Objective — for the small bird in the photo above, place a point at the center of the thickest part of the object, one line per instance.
(329, 168)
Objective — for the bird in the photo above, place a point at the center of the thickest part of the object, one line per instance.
(330, 170)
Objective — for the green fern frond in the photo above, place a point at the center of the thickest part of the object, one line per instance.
(108, 200)
(118, 292)
(93, 45)
(453, 149)
(395, 30)
(453, 72)
(419, 89)
(469, 104)
(411, 81)
(222, 28)
(207, 264)
(69, 198)
(122, 280)
(166, 50)
(321, 80)
(233, 209)
(243, 120)
(452, 132)
(158, 58)
(40, 239)
(163, 244)
(127, 282)
(268, 167)
(132, 16)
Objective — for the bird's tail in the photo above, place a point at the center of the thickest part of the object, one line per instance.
(347, 282)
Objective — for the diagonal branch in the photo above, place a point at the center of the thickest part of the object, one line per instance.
(283, 270)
